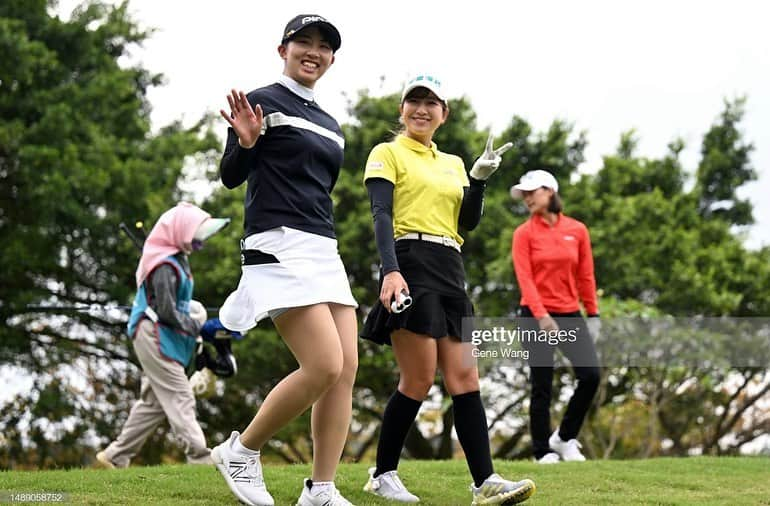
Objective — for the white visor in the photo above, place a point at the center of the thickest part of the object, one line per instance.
(210, 227)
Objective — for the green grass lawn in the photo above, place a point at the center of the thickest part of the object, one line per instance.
(701, 480)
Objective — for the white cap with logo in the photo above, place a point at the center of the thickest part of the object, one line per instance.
(427, 81)
(533, 180)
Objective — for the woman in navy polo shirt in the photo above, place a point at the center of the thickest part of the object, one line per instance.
(419, 197)
(289, 152)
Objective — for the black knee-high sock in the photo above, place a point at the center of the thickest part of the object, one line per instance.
(398, 417)
(471, 427)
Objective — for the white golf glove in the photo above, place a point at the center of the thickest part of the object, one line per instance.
(594, 324)
(489, 160)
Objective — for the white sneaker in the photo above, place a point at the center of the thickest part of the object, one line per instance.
(569, 450)
(103, 462)
(328, 496)
(496, 490)
(389, 486)
(243, 473)
(549, 458)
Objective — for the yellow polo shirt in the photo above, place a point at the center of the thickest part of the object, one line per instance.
(428, 186)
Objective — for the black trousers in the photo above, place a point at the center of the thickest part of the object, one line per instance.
(577, 345)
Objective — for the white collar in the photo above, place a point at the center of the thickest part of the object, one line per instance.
(303, 91)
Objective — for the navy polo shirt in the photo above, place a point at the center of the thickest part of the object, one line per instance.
(292, 168)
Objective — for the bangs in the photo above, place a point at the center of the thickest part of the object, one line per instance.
(422, 92)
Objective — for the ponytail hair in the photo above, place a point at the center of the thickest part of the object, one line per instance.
(555, 205)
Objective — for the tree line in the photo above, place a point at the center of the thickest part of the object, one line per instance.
(77, 158)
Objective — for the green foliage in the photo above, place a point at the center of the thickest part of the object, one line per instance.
(656, 242)
(76, 159)
(725, 167)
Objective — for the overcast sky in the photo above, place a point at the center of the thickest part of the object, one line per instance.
(662, 68)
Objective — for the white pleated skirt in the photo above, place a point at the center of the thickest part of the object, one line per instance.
(309, 271)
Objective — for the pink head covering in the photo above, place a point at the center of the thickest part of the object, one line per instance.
(172, 233)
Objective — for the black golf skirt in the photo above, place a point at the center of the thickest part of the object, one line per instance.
(436, 279)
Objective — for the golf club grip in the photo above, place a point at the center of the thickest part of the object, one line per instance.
(131, 236)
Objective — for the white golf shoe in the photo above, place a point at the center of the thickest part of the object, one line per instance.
(496, 490)
(328, 496)
(103, 461)
(242, 472)
(549, 458)
(388, 486)
(568, 450)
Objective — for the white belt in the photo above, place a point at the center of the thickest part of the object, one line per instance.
(438, 239)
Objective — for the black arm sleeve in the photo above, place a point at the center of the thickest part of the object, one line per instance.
(236, 161)
(381, 198)
(163, 286)
(473, 204)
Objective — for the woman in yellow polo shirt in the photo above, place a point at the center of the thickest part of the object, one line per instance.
(419, 196)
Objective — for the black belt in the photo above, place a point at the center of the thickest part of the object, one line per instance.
(257, 257)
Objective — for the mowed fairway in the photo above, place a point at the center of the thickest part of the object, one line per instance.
(697, 480)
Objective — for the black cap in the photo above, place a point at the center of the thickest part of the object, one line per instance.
(302, 21)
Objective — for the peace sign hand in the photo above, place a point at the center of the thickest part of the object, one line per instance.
(246, 122)
(489, 160)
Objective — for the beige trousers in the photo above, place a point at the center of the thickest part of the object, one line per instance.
(165, 393)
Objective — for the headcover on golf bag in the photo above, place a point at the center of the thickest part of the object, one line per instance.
(222, 364)
(203, 382)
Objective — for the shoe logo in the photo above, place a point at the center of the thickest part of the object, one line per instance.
(490, 490)
(236, 469)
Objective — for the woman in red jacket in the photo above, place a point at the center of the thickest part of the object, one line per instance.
(555, 270)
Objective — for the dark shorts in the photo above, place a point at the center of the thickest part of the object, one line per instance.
(436, 279)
